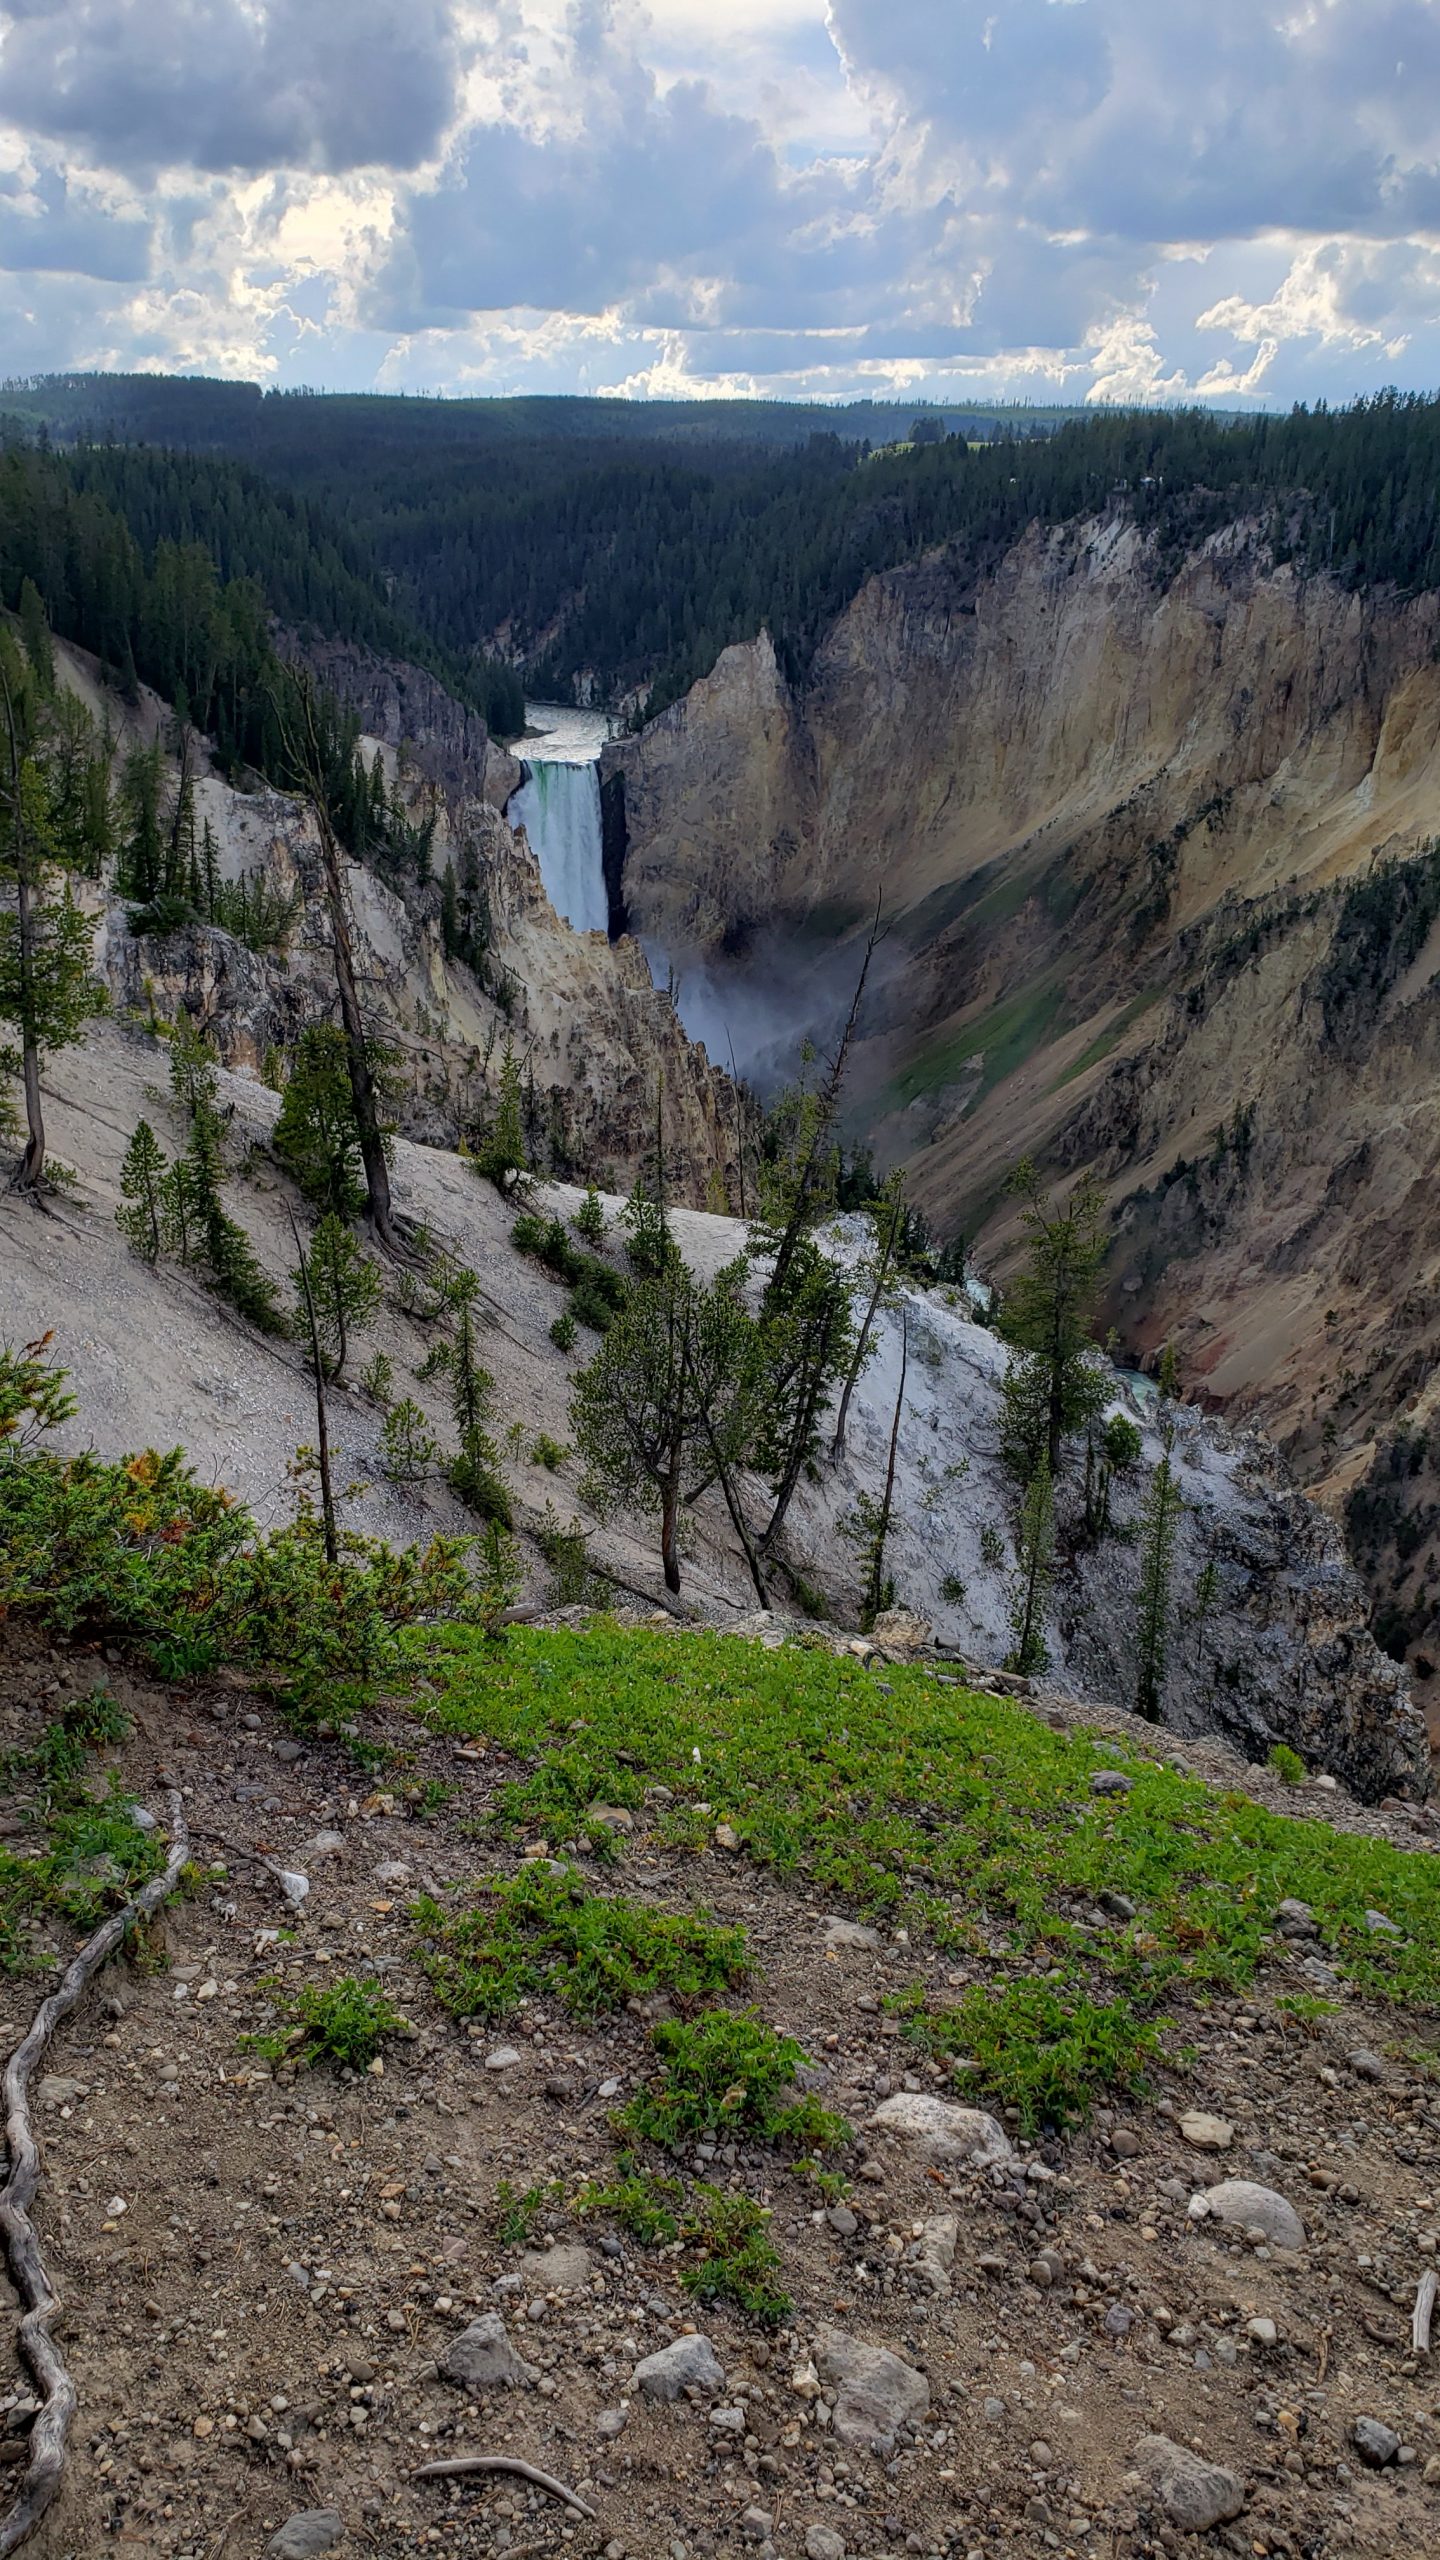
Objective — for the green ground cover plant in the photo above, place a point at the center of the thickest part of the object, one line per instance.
(343, 2023)
(728, 2072)
(545, 1931)
(961, 1817)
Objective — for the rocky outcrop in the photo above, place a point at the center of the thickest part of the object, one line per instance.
(403, 705)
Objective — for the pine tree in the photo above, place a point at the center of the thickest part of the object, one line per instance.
(409, 1449)
(1159, 1529)
(888, 1217)
(1054, 1386)
(142, 1183)
(315, 1134)
(342, 1288)
(667, 1405)
(870, 1526)
(1034, 1561)
(140, 875)
(48, 989)
(35, 636)
(503, 1156)
(474, 1471)
(590, 1218)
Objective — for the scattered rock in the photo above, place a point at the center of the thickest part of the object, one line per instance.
(612, 2423)
(849, 1933)
(1262, 2332)
(822, 2544)
(937, 2131)
(615, 1817)
(1377, 2445)
(1381, 1927)
(673, 2369)
(934, 2251)
(874, 2391)
(504, 2058)
(1250, 2207)
(292, 1884)
(560, 2270)
(1295, 1919)
(1206, 2132)
(1110, 1782)
(302, 2536)
(1195, 2494)
(392, 1871)
(726, 1837)
(484, 2360)
(326, 1844)
(56, 2091)
(1366, 2066)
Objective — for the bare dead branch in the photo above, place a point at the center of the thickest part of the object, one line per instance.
(1424, 2312)
(473, 2462)
(45, 2466)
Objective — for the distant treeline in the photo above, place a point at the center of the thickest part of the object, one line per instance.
(631, 543)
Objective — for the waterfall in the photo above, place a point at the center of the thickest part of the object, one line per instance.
(558, 806)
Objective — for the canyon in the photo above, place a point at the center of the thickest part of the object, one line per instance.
(1150, 835)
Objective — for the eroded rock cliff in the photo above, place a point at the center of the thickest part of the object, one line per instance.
(1123, 811)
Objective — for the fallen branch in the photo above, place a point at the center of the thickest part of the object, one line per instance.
(472, 2462)
(45, 2464)
(1424, 2312)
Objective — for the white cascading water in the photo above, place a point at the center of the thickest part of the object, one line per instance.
(558, 805)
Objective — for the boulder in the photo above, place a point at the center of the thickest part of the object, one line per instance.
(675, 2368)
(1195, 2494)
(484, 2360)
(901, 1631)
(873, 2393)
(1249, 2207)
(849, 1933)
(937, 2131)
(1377, 2445)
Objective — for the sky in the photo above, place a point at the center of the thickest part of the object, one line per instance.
(1236, 201)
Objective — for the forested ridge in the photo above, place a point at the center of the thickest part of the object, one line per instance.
(625, 545)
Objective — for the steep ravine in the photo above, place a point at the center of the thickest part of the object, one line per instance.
(1117, 807)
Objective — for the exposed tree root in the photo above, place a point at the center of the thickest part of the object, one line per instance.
(45, 2465)
(470, 2463)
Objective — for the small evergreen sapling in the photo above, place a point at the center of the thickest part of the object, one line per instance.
(143, 1217)
(343, 1288)
(410, 1451)
(590, 1218)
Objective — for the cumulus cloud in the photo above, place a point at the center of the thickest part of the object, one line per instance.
(1105, 197)
(233, 84)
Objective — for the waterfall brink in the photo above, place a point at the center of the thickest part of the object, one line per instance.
(558, 805)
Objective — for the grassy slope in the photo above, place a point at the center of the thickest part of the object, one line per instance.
(960, 1816)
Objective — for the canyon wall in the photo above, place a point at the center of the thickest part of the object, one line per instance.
(1149, 834)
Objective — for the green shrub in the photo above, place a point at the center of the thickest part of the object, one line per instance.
(1287, 1764)
(727, 2072)
(563, 1332)
(547, 1453)
(642, 2204)
(343, 2023)
(544, 1931)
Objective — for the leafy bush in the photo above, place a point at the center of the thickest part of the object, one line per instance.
(547, 1453)
(1287, 1764)
(729, 2073)
(642, 2204)
(563, 1332)
(545, 1932)
(140, 1550)
(343, 2023)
